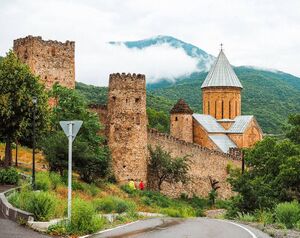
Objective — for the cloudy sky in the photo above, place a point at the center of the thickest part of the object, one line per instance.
(254, 32)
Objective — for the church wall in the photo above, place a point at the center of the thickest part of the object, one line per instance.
(252, 134)
(201, 136)
(222, 102)
(203, 163)
(238, 139)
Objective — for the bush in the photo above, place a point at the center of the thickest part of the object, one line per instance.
(265, 217)
(114, 204)
(55, 179)
(9, 176)
(247, 217)
(84, 220)
(42, 205)
(43, 181)
(179, 212)
(288, 213)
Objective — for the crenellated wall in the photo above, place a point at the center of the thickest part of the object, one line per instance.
(53, 61)
(203, 163)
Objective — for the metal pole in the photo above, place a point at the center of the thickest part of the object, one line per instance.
(16, 154)
(33, 148)
(70, 172)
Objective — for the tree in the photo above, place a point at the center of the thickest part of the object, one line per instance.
(272, 175)
(164, 168)
(293, 130)
(17, 88)
(90, 156)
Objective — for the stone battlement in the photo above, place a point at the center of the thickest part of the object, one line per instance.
(127, 81)
(30, 38)
(192, 146)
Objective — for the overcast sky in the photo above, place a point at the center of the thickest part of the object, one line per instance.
(254, 32)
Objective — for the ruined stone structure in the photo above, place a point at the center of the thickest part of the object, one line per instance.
(101, 111)
(53, 61)
(127, 119)
(221, 126)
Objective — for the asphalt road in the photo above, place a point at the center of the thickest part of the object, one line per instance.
(10, 229)
(183, 228)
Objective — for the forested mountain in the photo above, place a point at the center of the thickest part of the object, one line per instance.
(270, 96)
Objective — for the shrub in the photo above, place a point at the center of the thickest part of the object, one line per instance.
(288, 213)
(55, 179)
(179, 212)
(84, 219)
(42, 205)
(9, 176)
(43, 181)
(90, 189)
(114, 204)
(247, 217)
(265, 217)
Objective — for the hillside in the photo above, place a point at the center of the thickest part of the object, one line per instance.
(270, 96)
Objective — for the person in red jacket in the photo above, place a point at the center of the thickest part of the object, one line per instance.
(141, 185)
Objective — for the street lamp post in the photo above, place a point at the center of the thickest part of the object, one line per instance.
(34, 101)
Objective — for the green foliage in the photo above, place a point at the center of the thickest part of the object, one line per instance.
(293, 130)
(9, 176)
(114, 204)
(91, 159)
(183, 212)
(158, 120)
(84, 220)
(288, 213)
(212, 196)
(18, 86)
(273, 177)
(41, 204)
(246, 217)
(265, 217)
(164, 168)
(43, 181)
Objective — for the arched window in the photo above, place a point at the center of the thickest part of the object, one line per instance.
(222, 109)
(208, 107)
(176, 118)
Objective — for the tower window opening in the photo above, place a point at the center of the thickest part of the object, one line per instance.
(176, 118)
(138, 119)
(236, 109)
(215, 109)
(208, 107)
(137, 100)
(222, 109)
(113, 98)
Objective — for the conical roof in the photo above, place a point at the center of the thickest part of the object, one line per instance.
(181, 107)
(221, 74)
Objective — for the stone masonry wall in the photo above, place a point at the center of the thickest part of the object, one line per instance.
(101, 111)
(181, 126)
(203, 163)
(221, 102)
(53, 61)
(127, 119)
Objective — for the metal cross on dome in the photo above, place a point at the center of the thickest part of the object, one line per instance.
(221, 46)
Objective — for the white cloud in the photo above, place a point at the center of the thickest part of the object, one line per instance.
(156, 62)
(261, 33)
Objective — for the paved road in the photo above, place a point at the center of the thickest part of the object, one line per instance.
(183, 228)
(10, 229)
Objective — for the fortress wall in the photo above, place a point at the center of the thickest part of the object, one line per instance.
(203, 163)
(53, 61)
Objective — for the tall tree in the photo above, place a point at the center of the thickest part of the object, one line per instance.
(18, 86)
(164, 168)
(91, 157)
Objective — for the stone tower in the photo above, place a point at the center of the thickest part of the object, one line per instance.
(181, 124)
(221, 90)
(127, 119)
(53, 61)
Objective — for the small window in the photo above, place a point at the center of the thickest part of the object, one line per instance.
(45, 77)
(137, 100)
(53, 51)
(114, 98)
(176, 118)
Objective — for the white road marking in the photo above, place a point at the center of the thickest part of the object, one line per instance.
(115, 228)
(246, 229)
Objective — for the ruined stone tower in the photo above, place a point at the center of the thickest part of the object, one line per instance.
(221, 91)
(181, 121)
(53, 61)
(127, 118)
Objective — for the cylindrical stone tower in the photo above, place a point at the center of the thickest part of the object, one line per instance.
(127, 119)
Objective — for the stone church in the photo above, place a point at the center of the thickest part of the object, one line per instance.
(221, 126)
